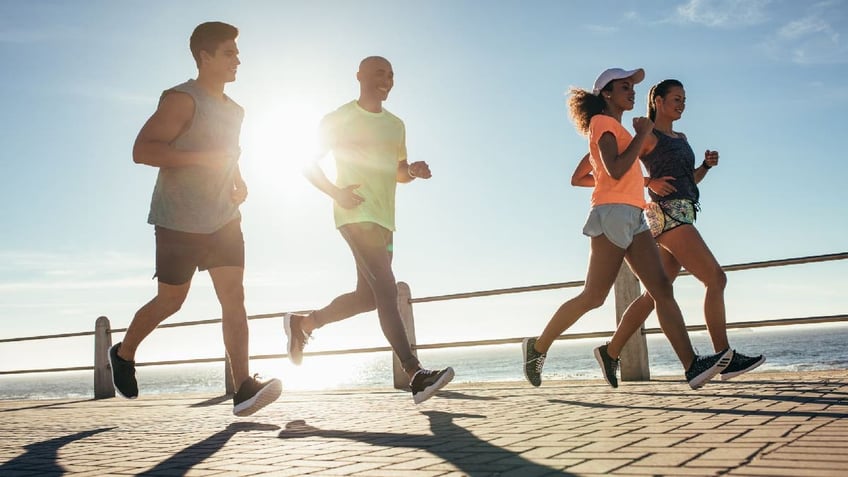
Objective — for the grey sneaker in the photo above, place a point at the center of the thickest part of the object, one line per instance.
(296, 337)
(741, 364)
(426, 382)
(703, 368)
(254, 394)
(123, 374)
(533, 361)
(609, 366)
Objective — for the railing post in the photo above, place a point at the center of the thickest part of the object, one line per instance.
(102, 373)
(229, 387)
(401, 379)
(634, 355)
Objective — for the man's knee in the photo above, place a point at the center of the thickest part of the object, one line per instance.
(170, 304)
(366, 302)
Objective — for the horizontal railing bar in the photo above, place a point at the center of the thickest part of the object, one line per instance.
(780, 263)
(810, 320)
(457, 296)
(577, 283)
(164, 325)
(461, 344)
(46, 337)
(499, 291)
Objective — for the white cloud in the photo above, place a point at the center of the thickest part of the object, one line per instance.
(813, 37)
(723, 13)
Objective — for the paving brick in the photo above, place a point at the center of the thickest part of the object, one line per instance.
(795, 427)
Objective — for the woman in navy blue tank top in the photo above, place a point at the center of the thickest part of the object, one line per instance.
(672, 186)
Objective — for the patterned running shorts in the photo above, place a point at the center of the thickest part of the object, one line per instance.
(665, 215)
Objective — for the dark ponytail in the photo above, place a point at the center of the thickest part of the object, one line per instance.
(659, 90)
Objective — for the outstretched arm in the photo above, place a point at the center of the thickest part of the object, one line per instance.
(153, 145)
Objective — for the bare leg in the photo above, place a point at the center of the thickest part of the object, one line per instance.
(229, 286)
(605, 259)
(639, 310)
(643, 258)
(168, 300)
(690, 250)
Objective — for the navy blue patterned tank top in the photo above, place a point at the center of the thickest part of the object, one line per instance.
(672, 156)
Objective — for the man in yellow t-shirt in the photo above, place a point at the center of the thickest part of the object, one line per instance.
(369, 146)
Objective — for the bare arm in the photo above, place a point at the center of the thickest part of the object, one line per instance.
(239, 193)
(582, 176)
(346, 198)
(617, 164)
(710, 161)
(153, 145)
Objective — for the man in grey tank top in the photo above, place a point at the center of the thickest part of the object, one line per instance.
(193, 139)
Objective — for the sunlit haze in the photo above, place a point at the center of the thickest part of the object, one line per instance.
(481, 88)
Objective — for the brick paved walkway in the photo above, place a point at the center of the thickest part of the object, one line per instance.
(762, 424)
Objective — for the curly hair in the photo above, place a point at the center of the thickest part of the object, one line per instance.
(582, 105)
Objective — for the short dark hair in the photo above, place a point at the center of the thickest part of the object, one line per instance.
(207, 36)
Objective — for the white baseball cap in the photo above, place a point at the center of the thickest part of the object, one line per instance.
(613, 74)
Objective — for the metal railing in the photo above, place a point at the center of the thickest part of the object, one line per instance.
(624, 292)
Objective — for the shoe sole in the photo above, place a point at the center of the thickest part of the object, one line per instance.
(287, 328)
(726, 376)
(600, 360)
(524, 354)
(710, 373)
(264, 397)
(428, 392)
(112, 375)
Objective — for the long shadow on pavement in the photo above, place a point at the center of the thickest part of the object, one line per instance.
(737, 412)
(449, 441)
(41, 406)
(183, 461)
(41, 458)
(800, 398)
(213, 401)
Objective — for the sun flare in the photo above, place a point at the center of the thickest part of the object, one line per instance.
(278, 140)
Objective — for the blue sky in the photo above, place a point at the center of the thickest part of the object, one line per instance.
(482, 90)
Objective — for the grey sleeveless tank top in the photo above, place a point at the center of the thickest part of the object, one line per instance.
(194, 198)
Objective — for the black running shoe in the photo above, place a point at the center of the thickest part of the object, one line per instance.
(533, 361)
(254, 394)
(703, 368)
(123, 374)
(609, 366)
(297, 338)
(741, 364)
(426, 382)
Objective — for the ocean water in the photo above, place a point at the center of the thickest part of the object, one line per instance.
(787, 349)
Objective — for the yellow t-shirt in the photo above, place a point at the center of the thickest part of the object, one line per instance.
(367, 148)
(627, 190)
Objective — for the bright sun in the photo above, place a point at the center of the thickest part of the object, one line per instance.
(277, 141)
